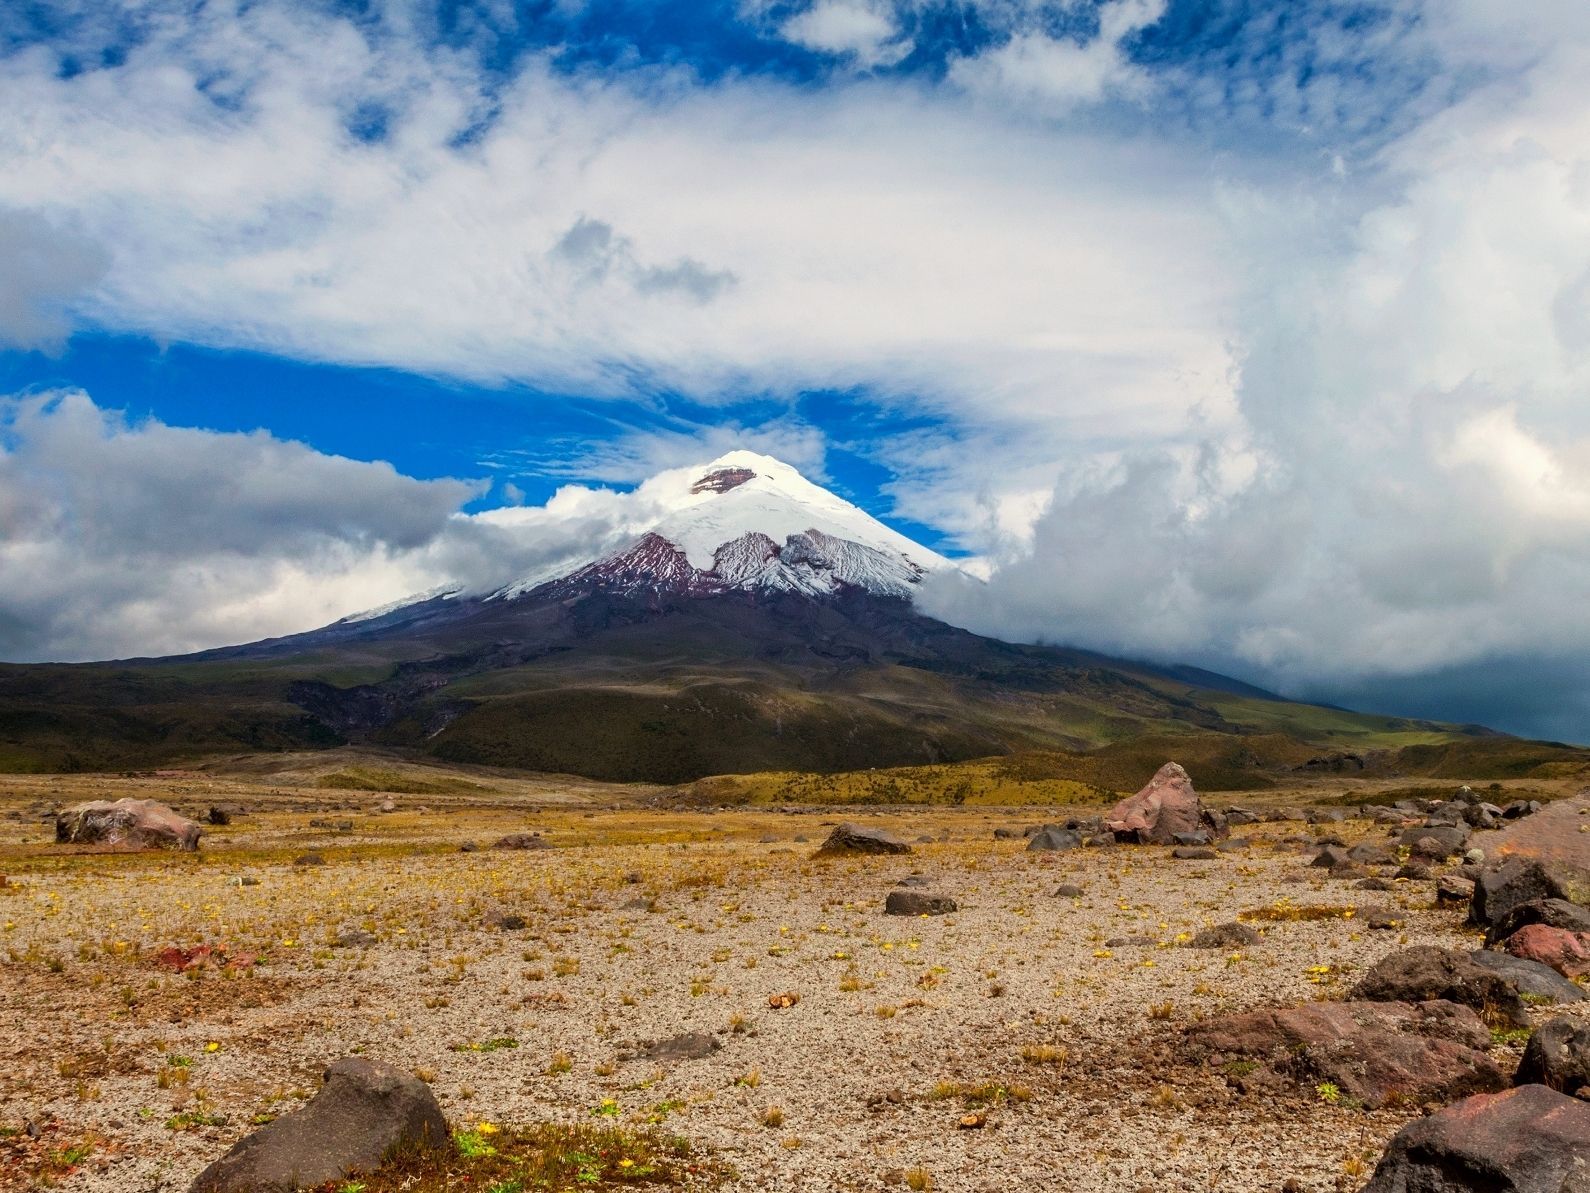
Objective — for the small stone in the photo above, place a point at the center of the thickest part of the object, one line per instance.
(908, 902)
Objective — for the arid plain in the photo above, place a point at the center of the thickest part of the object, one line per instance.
(628, 982)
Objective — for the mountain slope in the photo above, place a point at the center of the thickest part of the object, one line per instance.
(747, 620)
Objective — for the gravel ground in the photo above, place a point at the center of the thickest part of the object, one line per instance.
(642, 924)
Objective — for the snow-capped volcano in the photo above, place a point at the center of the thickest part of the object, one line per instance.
(744, 521)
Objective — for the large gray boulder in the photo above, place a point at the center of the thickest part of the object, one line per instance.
(364, 1111)
(1525, 1140)
(1166, 809)
(135, 823)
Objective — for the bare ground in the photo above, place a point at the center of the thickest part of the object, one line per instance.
(644, 923)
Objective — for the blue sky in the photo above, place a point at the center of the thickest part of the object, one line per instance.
(1250, 335)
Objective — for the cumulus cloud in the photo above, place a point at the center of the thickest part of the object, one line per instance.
(1401, 498)
(867, 32)
(619, 234)
(119, 538)
(1058, 73)
(43, 268)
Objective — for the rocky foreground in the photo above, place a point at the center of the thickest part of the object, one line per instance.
(1166, 994)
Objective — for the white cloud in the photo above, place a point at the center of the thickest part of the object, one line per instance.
(743, 236)
(1058, 73)
(43, 270)
(862, 31)
(120, 538)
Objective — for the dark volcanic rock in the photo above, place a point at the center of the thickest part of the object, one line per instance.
(1053, 839)
(136, 823)
(691, 1045)
(1423, 973)
(1558, 1056)
(1378, 1053)
(918, 903)
(1525, 1140)
(1512, 884)
(1554, 913)
(364, 1110)
(1166, 806)
(858, 838)
(1225, 936)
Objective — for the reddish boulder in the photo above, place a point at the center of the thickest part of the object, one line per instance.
(1566, 952)
(364, 1111)
(135, 823)
(1378, 1053)
(1525, 1140)
(1166, 812)
(1551, 837)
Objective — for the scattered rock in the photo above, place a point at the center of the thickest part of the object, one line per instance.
(1514, 883)
(1558, 1056)
(1192, 853)
(1566, 952)
(1539, 982)
(364, 1110)
(690, 1045)
(858, 838)
(1225, 936)
(918, 903)
(521, 841)
(1555, 913)
(1375, 1052)
(135, 823)
(1424, 972)
(1525, 1140)
(1166, 806)
(1330, 857)
(1367, 853)
(1053, 839)
(1551, 837)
